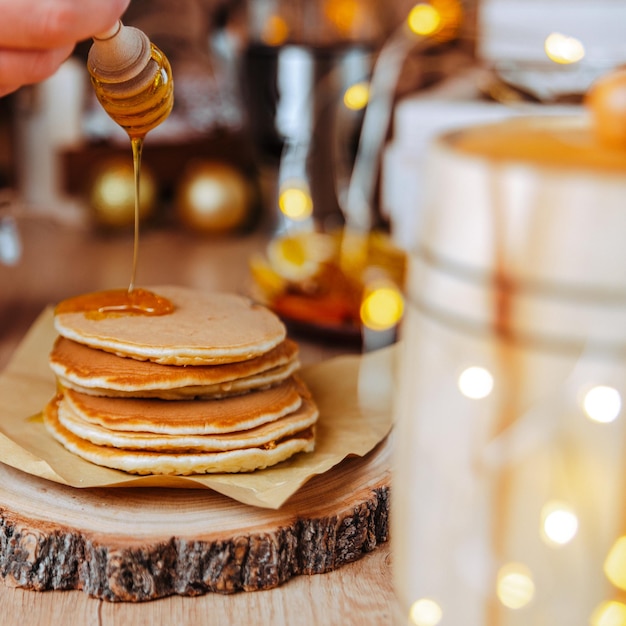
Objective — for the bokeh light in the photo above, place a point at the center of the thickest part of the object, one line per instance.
(295, 202)
(559, 523)
(356, 96)
(112, 193)
(296, 256)
(602, 404)
(609, 614)
(425, 612)
(288, 257)
(475, 382)
(439, 20)
(275, 31)
(205, 193)
(345, 15)
(615, 564)
(563, 49)
(382, 306)
(515, 586)
(424, 19)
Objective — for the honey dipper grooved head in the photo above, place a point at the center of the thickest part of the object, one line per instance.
(120, 56)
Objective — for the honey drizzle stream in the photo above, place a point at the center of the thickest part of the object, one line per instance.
(137, 147)
(511, 372)
(132, 301)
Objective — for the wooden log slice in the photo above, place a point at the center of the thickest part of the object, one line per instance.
(136, 544)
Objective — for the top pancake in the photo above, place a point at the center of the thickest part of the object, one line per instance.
(204, 328)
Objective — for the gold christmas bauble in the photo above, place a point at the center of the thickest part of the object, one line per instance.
(112, 193)
(213, 198)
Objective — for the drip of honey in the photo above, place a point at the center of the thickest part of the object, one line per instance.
(137, 147)
(132, 80)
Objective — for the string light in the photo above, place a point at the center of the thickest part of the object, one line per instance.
(295, 201)
(615, 564)
(602, 404)
(382, 306)
(356, 96)
(609, 614)
(424, 19)
(475, 382)
(559, 523)
(515, 587)
(425, 612)
(562, 49)
(438, 19)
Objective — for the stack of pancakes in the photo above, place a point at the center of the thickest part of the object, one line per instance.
(210, 387)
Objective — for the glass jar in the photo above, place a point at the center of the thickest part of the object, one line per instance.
(508, 503)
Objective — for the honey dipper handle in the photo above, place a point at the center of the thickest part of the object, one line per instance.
(119, 54)
(111, 32)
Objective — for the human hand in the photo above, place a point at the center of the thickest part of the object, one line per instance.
(36, 36)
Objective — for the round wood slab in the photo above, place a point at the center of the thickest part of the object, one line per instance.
(139, 544)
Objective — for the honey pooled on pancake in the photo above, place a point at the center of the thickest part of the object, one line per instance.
(204, 328)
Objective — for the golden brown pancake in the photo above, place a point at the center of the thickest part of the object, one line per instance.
(204, 328)
(263, 435)
(210, 386)
(178, 417)
(101, 373)
(182, 463)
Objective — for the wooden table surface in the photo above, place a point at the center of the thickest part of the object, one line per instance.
(60, 260)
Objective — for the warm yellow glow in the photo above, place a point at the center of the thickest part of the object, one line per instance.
(562, 49)
(609, 614)
(288, 257)
(382, 306)
(295, 203)
(475, 382)
(345, 15)
(440, 20)
(117, 189)
(299, 256)
(112, 194)
(424, 19)
(275, 31)
(615, 564)
(206, 193)
(266, 277)
(425, 612)
(515, 586)
(559, 523)
(602, 404)
(356, 96)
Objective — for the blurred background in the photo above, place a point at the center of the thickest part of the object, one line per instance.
(255, 80)
(252, 80)
(271, 101)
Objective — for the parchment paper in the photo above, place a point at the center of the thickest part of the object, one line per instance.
(353, 394)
